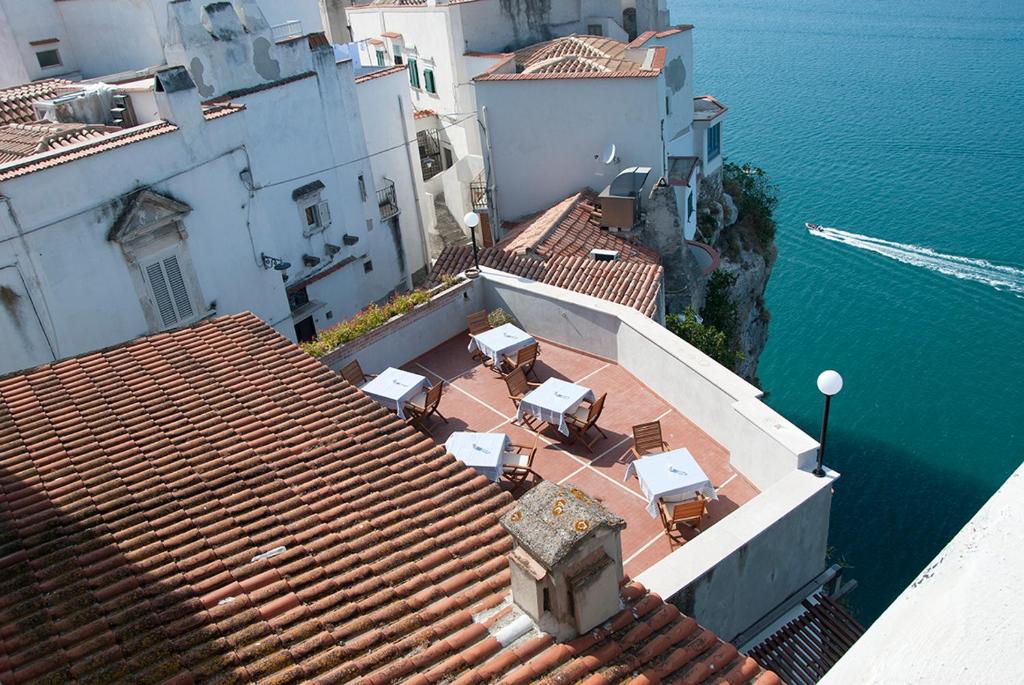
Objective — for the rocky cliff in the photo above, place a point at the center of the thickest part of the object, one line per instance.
(745, 255)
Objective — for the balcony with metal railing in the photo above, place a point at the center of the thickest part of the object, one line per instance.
(289, 29)
(387, 201)
(478, 193)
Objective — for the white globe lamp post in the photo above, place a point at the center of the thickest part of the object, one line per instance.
(472, 220)
(829, 383)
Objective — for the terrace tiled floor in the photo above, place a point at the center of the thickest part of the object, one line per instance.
(475, 399)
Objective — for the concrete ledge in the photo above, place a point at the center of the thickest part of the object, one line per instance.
(733, 573)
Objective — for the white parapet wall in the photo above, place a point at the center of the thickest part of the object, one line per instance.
(407, 337)
(960, 620)
(745, 565)
(735, 572)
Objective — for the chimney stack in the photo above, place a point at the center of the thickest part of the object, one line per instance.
(566, 559)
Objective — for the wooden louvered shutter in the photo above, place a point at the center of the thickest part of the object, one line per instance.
(170, 294)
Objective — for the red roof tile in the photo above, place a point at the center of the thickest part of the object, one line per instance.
(211, 504)
(211, 112)
(577, 56)
(572, 228)
(24, 140)
(380, 73)
(16, 101)
(108, 142)
(632, 283)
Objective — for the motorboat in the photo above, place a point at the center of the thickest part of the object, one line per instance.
(814, 228)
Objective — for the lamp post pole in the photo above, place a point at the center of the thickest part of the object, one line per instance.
(472, 220)
(829, 383)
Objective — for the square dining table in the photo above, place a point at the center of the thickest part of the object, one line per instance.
(394, 387)
(504, 340)
(482, 451)
(552, 401)
(670, 476)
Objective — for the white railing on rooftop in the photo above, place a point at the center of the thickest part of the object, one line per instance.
(289, 29)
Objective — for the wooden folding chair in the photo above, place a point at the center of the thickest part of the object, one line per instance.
(353, 373)
(647, 439)
(517, 465)
(675, 513)
(525, 359)
(423, 406)
(585, 418)
(518, 386)
(477, 323)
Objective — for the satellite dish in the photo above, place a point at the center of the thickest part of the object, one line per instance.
(607, 155)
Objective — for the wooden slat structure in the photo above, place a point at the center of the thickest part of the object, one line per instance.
(802, 651)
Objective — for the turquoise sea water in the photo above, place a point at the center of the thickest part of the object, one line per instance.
(904, 122)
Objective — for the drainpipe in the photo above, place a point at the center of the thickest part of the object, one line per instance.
(415, 194)
(492, 203)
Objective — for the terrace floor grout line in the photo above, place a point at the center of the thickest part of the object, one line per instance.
(728, 480)
(642, 549)
(595, 371)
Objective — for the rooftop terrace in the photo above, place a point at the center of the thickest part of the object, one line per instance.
(767, 533)
(476, 399)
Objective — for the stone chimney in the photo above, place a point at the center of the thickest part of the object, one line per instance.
(566, 559)
(177, 101)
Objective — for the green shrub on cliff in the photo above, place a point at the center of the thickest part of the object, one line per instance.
(708, 339)
(756, 198)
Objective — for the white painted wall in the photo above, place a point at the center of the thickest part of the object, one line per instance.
(390, 133)
(101, 37)
(237, 173)
(960, 620)
(27, 21)
(544, 135)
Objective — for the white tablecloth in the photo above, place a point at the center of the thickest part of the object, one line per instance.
(671, 476)
(553, 400)
(482, 451)
(394, 387)
(503, 340)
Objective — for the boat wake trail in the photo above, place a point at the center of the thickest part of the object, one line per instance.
(1003, 278)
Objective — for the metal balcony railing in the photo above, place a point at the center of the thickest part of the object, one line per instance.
(478, 194)
(387, 201)
(289, 29)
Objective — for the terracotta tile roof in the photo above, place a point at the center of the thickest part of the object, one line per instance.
(572, 228)
(424, 114)
(381, 73)
(213, 505)
(211, 112)
(578, 56)
(707, 107)
(16, 101)
(24, 140)
(391, 34)
(634, 284)
(108, 142)
(646, 36)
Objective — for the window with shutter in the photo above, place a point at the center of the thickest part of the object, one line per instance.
(169, 291)
(414, 73)
(428, 81)
(325, 215)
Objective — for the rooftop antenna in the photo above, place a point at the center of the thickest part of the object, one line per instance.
(607, 155)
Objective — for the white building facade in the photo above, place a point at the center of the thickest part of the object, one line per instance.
(445, 44)
(245, 183)
(89, 38)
